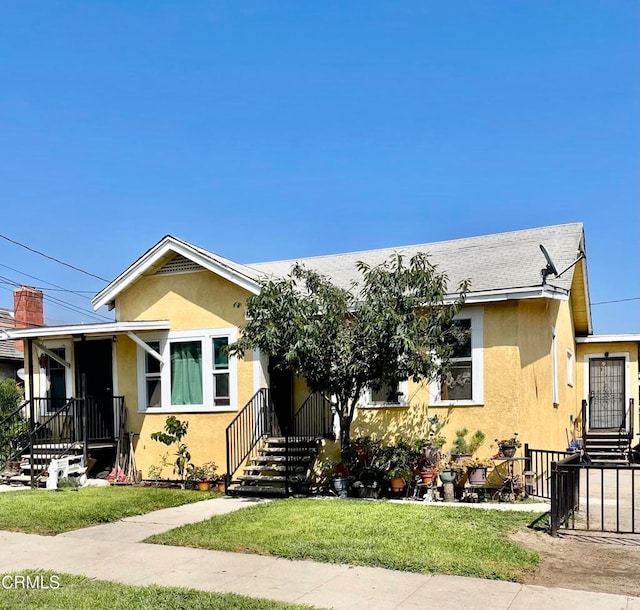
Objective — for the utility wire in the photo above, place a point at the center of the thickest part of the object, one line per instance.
(33, 277)
(52, 258)
(617, 301)
(64, 304)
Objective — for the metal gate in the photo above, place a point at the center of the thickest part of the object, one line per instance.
(606, 393)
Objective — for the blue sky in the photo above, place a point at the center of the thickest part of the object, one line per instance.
(269, 130)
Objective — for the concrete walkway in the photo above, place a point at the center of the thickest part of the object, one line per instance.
(114, 552)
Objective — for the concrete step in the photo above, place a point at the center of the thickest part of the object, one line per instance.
(25, 478)
(263, 478)
(283, 450)
(256, 490)
(274, 468)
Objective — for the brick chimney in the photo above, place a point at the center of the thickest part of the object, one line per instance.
(27, 307)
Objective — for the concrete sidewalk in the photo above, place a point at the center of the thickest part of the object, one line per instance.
(113, 552)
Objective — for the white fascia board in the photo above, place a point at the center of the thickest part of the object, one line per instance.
(537, 292)
(150, 258)
(630, 338)
(108, 328)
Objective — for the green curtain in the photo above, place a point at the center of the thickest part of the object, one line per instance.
(186, 373)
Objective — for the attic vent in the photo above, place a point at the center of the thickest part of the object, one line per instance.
(179, 264)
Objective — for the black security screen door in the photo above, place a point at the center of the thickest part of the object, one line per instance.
(606, 393)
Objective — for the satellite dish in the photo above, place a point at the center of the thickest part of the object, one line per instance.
(550, 268)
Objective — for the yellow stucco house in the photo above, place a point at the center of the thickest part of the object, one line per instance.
(530, 364)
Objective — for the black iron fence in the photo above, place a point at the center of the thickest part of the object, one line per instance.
(610, 501)
(539, 461)
(565, 491)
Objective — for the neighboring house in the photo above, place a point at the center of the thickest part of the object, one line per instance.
(11, 358)
(530, 362)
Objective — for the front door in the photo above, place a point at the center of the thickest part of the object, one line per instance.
(606, 393)
(94, 369)
(281, 384)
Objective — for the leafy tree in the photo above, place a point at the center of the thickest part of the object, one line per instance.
(174, 431)
(14, 429)
(390, 326)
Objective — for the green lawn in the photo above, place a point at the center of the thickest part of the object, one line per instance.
(462, 541)
(82, 593)
(52, 512)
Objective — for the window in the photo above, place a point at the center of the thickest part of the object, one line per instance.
(569, 367)
(464, 385)
(457, 385)
(388, 395)
(220, 371)
(153, 381)
(56, 376)
(197, 374)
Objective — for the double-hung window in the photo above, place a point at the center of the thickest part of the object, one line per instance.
(464, 383)
(220, 372)
(457, 383)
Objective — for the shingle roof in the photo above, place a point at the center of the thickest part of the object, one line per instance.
(8, 349)
(500, 261)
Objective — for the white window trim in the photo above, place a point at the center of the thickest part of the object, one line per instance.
(68, 373)
(554, 367)
(205, 336)
(627, 379)
(476, 315)
(366, 401)
(570, 367)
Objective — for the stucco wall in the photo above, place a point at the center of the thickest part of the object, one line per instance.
(517, 371)
(196, 300)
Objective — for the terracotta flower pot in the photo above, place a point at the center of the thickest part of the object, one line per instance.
(204, 485)
(221, 487)
(397, 485)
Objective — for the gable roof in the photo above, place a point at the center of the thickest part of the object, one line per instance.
(499, 266)
(159, 254)
(505, 262)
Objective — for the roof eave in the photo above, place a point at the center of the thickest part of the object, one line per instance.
(170, 244)
(71, 330)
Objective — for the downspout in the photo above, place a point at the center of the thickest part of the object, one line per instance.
(32, 415)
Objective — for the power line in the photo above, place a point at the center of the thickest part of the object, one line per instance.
(59, 302)
(33, 277)
(617, 301)
(53, 258)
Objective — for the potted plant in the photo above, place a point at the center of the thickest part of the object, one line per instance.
(203, 475)
(507, 446)
(448, 471)
(399, 477)
(434, 442)
(221, 484)
(462, 448)
(338, 474)
(401, 461)
(477, 470)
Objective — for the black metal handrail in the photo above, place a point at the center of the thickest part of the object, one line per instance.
(14, 433)
(313, 419)
(255, 421)
(565, 491)
(539, 461)
(58, 422)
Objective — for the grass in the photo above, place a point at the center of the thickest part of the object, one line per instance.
(48, 512)
(460, 541)
(82, 593)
